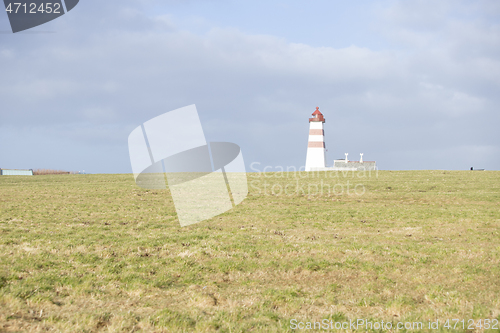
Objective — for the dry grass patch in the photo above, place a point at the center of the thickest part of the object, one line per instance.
(94, 253)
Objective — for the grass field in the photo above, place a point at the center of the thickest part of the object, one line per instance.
(95, 253)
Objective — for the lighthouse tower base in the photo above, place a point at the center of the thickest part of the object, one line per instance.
(315, 159)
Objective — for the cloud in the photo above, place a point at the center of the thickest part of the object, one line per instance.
(104, 72)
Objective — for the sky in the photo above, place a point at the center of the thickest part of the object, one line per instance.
(411, 84)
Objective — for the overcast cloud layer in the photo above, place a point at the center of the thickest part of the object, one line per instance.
(411, 84)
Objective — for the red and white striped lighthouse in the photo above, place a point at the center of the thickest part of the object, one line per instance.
(316, 158)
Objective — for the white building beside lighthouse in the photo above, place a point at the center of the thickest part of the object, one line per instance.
(316, 155)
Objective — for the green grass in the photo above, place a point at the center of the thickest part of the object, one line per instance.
(90, 253)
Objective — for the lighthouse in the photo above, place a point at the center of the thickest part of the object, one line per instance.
(316, 158)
